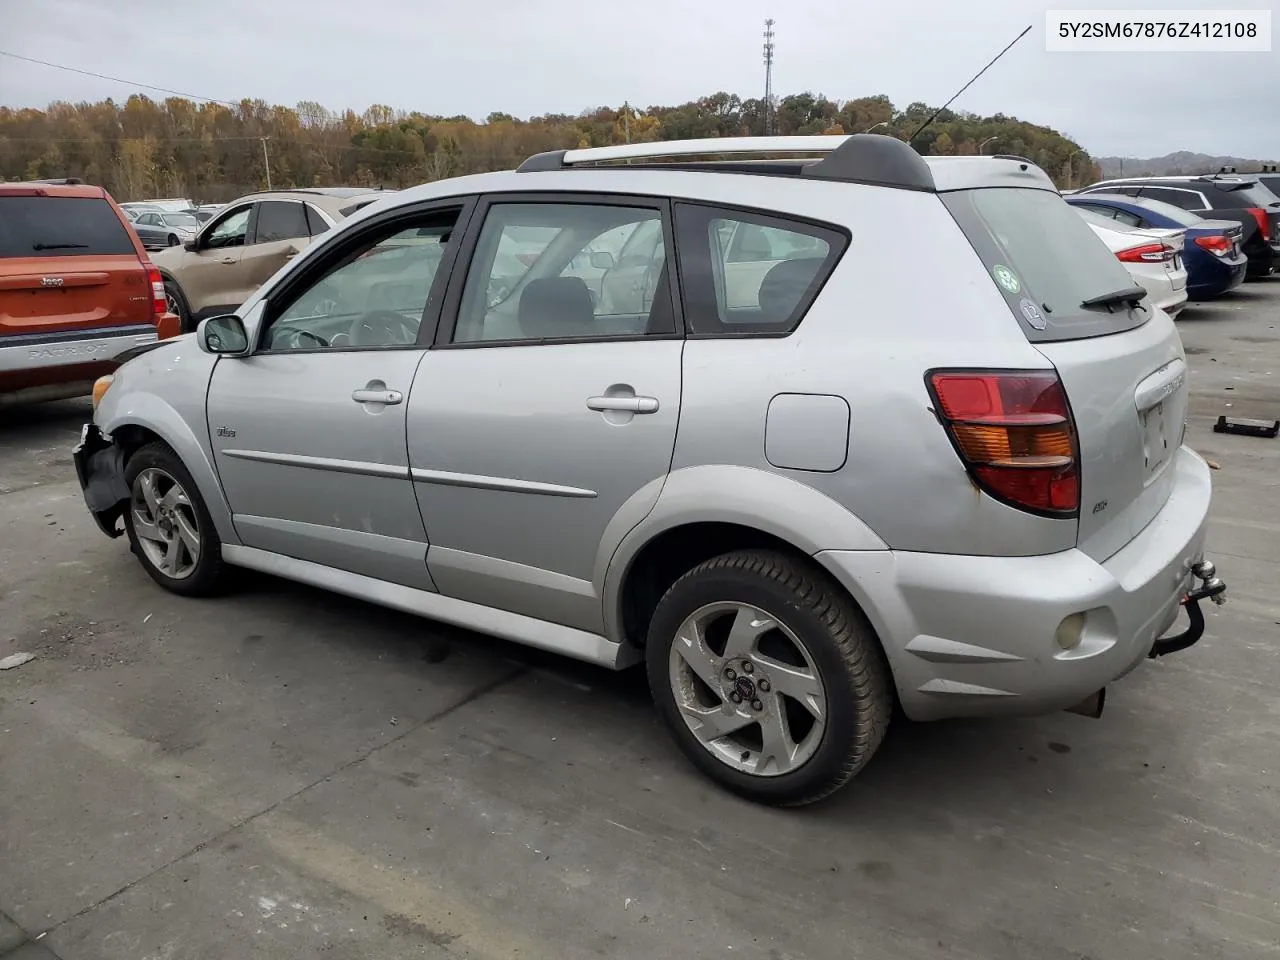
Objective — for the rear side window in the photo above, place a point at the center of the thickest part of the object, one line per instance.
(315, 223)
(1184, 199)
(1046, 261)
(61, 227)
(280, 220)
(750, 274)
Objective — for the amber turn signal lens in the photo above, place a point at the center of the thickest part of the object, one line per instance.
(100, 389)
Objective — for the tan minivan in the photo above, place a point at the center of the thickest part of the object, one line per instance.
(77, 290)
(245, 243)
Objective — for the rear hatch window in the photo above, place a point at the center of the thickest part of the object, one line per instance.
(1254, 195)
(61, 227)
(1046, 262)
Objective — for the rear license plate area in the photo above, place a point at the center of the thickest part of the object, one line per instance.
(1155, 441)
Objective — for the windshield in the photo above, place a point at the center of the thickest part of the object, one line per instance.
(1046, 261)
(181, 220)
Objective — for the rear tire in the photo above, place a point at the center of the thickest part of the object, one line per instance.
(769, 677)
(177, 303)
(169, 527)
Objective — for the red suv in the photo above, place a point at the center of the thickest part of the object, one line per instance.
(77, 290)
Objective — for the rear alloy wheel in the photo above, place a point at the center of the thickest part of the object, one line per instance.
(769, 677)
(168, 525)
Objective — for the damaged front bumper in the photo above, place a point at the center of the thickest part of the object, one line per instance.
(100, 470)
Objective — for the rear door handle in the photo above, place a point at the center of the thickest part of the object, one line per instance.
(228, 260)
(628, 404)
(377, 396)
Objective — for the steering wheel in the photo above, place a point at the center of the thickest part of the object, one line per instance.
(382, 328)
(299, 334)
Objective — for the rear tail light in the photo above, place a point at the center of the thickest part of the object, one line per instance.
(159, 304)
(1264, 225)
(1219, 246)
(1148, 253)
(1013, 431)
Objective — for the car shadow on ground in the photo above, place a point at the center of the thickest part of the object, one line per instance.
(981, 767)
(32, 420)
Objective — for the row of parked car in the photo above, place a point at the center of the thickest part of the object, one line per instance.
(1190, 237)
(167, 223)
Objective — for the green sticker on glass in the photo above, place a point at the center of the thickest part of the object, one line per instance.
(1006, 278)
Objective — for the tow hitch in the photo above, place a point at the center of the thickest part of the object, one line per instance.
(1211, 588)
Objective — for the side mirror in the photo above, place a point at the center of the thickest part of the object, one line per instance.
(224, 335)
(190, 246)
(602, 260)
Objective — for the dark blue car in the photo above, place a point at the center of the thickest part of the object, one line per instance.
(1212, 249)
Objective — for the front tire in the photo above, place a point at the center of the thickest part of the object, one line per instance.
(169, 527)
(769, 677)
(172, 240)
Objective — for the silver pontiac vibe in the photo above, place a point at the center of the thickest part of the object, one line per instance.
(809, 438)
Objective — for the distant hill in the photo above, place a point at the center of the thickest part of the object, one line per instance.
(1173, 164)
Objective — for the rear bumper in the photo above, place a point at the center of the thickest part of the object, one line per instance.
(100, 470)
(70, 348)
(1216, 278)
(1263, 258)
(977, 636)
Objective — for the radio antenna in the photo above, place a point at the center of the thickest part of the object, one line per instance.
(970, 83)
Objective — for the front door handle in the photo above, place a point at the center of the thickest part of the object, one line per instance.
(627, 404)
(377, 396)
(228, 260)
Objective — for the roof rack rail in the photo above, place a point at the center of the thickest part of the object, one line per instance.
(1009, 156)
(855, 158)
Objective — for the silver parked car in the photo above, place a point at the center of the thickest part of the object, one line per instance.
(797, 483)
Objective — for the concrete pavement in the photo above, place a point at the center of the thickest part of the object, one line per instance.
(284, 773)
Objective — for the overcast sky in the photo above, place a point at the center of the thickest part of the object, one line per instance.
(539, 56)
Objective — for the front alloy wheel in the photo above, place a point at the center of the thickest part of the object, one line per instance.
(169, 526)
(165, 523)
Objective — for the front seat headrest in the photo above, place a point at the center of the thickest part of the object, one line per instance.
(554, 307)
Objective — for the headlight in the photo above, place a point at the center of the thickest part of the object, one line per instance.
(100, 387)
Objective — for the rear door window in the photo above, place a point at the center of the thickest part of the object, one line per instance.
(61, 227)
(1046, 261)
(280, 220)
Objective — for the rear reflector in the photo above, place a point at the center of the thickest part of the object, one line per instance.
(1264, 225)
(1219, 246)
(159, 305)
(1013, 431)
(1147, 253)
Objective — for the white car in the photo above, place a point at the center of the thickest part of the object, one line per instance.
(1153, 257)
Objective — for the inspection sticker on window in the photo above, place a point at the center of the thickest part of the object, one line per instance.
(1006, 278)
(1033, 314)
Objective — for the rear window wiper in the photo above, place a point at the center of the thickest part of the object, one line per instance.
(58, 246)
(1131, 295)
